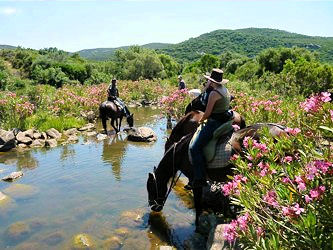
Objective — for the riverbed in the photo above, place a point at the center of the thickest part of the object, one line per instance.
(92, 188)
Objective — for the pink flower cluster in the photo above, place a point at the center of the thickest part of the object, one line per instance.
(318, 167)
(261, 146)
(270, 198)
(292, 211)
(315, 102)
(315, 194)
(266, 105)
(25, 108)
(176, 96)
(232, 187)
(293, 131)
(230, 231)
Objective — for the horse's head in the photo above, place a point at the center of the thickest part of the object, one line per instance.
(130, 120)
(156, 192)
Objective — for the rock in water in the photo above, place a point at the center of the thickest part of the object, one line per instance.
(142, 134)
(13, 176)
(7, 140)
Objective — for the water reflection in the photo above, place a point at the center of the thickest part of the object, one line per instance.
(114, 151)
(20, 159)
(67, 152)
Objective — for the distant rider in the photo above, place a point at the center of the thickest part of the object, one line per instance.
(113, 95)
(181, 83)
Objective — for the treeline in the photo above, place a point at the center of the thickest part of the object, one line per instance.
(249, 42)
(282, 70)
(21, 67)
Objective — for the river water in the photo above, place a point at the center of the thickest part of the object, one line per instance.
(95, 188)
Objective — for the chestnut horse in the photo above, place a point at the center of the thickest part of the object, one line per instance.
(110, 110)
(176, 159)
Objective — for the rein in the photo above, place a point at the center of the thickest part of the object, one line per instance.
(173, 181)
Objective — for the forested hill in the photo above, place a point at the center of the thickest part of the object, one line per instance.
(7, 47)
(102, 54)
(248, 42)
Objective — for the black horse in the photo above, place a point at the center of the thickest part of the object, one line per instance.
(176, 159)
(109, 109)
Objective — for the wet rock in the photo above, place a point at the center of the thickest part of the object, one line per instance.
(88, 127)
(195, 242)
(53, 133)
(82, 241)
(21, 191)
(51, 143)
(30, 133)
(101, 137)
(73, 138)
(22, 145)
(17, 232)
(142, 134)
(22, 138)
(69, 132)
(38, 143)
(6, 203)
(92, 133)
(113, 242)
(130, 218)
(54, 238)
(7, 140)
(12, 176)
(37, 135)
(44, 136)
(216, 240)
(91, 116)
(122, 232)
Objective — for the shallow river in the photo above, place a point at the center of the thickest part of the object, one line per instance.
(95, 188)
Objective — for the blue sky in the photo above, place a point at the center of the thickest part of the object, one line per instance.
(72, 25)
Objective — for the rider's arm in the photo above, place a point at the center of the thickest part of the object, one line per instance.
(213, 97)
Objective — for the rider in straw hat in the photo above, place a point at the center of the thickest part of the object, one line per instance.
(216, 114)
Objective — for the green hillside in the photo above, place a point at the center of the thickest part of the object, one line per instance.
(248, 42)
(7, 47)
(102, 54)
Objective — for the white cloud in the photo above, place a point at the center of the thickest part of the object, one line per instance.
(8, 11)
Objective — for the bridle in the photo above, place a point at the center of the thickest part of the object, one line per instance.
(173, 181)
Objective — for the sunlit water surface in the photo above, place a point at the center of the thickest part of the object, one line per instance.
(92, 187)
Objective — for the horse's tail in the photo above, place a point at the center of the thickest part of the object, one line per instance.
(102, 111)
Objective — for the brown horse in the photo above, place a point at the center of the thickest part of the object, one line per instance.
(110, 110)
(176, 159)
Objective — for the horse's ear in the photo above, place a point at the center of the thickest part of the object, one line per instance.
(150, 176)
(154, 169)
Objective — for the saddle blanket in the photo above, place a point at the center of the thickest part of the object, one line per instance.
(218, 151)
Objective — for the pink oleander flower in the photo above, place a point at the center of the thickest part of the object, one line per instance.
(293, 131)
(234, 157)
(260, 232)
(301, 184)
(287, 159)
(230, 231)
(270, 198)
(246, 141)
(236, 127)
(286, 180)
(325, 96)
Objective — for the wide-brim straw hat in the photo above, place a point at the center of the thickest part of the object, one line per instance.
(216, 76)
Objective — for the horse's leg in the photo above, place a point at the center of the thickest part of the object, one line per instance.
(104, 124)
(120, 119)
(117, 130)
(112, 124)
(197, 193)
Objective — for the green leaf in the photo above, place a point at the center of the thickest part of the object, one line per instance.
(326, 128)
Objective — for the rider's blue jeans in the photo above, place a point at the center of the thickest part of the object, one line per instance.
(196, 148)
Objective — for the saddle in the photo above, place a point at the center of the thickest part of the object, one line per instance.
(218, 151)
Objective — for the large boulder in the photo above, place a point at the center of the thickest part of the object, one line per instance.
(82, 241)
(18, 231)
(216, 240)
(21, 137)
(53, 133)
(7, 140)
(38, 143)
(51, 143)
(142, 134)
(20, 191)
